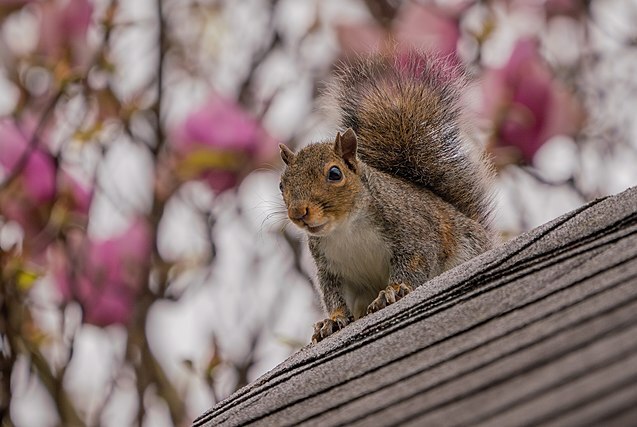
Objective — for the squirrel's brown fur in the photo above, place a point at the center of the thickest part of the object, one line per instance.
(399, 197)
(406, 113)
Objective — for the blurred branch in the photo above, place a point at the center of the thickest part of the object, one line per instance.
(383, 11)
(54, 385)
(147, 368)
(275, 41)
(14, 311)
(570, 182)
(7, 357)
(157, 108)
(243, 367)
(158, 205)
(296, 245)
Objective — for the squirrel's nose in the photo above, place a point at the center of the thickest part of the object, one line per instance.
(298, 213)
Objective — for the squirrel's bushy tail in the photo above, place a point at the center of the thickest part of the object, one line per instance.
(405, 109)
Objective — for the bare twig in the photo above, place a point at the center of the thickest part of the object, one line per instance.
(16, 312)
(275, 41)
(147, 368)
(7, 357)
(569, 182)
(383, 11)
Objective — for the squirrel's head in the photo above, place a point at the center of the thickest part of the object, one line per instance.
(320, 183)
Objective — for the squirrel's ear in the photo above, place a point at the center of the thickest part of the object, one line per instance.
(345, 146)
(286, 154)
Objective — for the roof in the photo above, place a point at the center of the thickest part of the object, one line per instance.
(542, 330)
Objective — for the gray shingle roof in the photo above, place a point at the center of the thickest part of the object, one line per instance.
(542, 330)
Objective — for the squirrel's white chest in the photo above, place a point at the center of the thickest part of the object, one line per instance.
(360, 256)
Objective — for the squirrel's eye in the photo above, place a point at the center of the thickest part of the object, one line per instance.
(334, 174)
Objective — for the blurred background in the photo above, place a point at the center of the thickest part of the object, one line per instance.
(146, 266)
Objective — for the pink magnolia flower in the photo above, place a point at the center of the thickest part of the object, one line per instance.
(219, 143)
(28, 197)
(526, 104)
(361, 38)
(38, 173)
(63, 28)
(105, 276)
(37, 186)
(426, 27)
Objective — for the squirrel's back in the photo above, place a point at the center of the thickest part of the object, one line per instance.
(406, 112)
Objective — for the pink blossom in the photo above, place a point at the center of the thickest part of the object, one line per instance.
(63, 28)
(38, 173)
(27, 198)
(360, 38)
(424, 27)
(526, 104)
(105, 276)
(37, 186)
(219, 143)
(428, 28)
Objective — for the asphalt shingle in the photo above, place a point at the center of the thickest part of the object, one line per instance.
(542, 330)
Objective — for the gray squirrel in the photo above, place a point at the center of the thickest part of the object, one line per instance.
(398, 197)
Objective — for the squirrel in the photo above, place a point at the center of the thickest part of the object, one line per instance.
(400, 196)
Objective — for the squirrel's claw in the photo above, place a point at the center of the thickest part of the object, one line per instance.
(389, 295)
(327, 327)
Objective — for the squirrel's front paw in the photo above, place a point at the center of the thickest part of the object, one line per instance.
(327, 327)
(389, 295)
